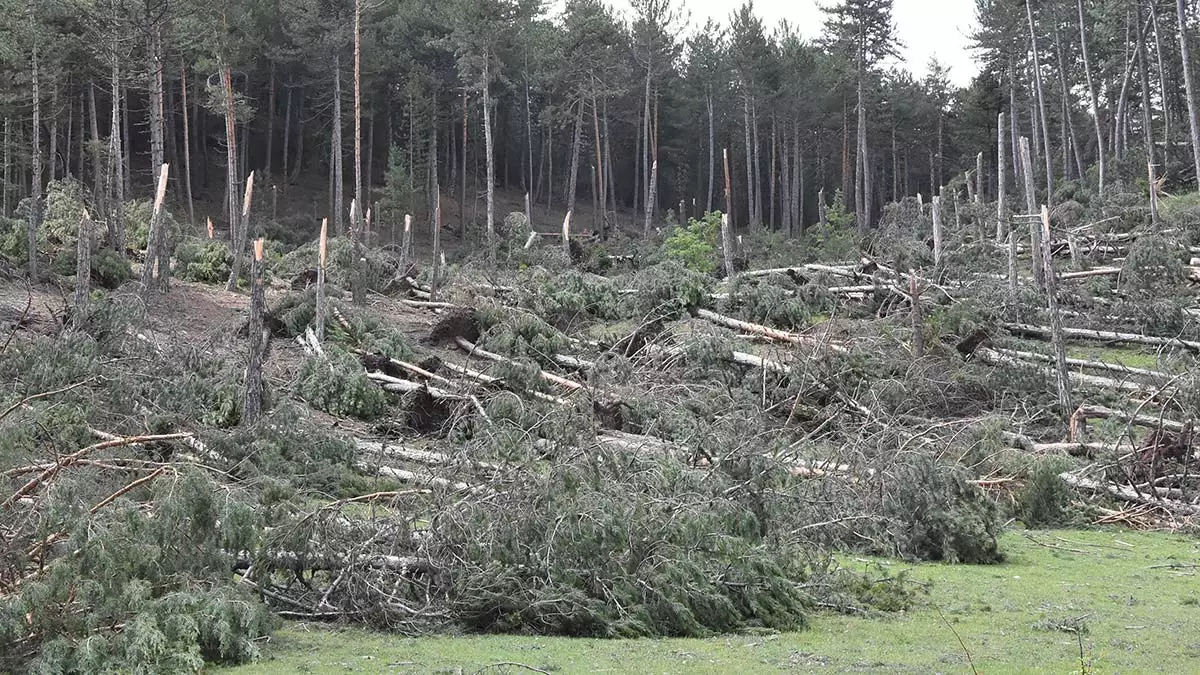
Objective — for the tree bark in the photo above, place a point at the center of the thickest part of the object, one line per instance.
(336, 151)
(708, 99)
(35, 213)
(1001, 179)
(322, 254)
(187, 146)
(573, 175)
(255, 389)
(83, 268)
(358, 180)
(1144, 76)
(1189, 87)
(269, 162)
(754, 222)
(116, 178)
(1041, 100)
(237, 239)
(1031, 208)
(1059, 341)
(1094, 100)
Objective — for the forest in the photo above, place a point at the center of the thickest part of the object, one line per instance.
(516, 317)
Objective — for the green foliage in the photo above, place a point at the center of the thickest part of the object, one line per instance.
(161, 574)
(636, 548)
(1152, 267)
(774, 302)
(568, 297)
(137, 215)
(668, 289)
(204, 260)
(396, 196)
(1045, 500)
(695, 246)
(339, 386)
(938, 515)
(110, 269)
(520, 334)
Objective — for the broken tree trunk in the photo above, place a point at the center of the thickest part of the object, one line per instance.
(1056, 328)
(83, 269)
(258, 340)
(1102, 336)
(470, 348)
(1131, 494)
(155, 274)
(727, 244)
(322, 251)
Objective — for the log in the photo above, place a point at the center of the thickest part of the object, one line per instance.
(488, 379)
(1083, 363)
(573, 362)
(1088, 274)
(1090, 412)
(763, 331)
(1130, 494)
(995, 358)
(470, 348)
(398, 386)
(1103, 336)
(417, 456)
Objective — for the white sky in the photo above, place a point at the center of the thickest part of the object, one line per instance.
(926, 28)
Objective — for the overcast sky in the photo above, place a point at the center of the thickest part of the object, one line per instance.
(927, 28)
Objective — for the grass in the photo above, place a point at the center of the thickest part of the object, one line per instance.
(1130, 358)
(1133, 596)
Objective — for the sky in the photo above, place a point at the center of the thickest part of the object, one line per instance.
(927, 28)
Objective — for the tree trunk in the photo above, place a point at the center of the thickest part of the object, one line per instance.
(236, 230)
(1190, 88)
(936, 211)
(255, 388)
(1162, 84)
(462, 199)
(754, 222)
(116, 178)
(298, 162)
(1041, 99)
(99, 171)
(160, 255)
(1094, 100)
(336, 151)
(127, 142)
(1059, 341)
(358, 165)
(35, 213)
(798, 183)
(862, 187)
(758, 181)
(771, 174)
(712, 139)
(269, 163)
(83, 269)
(573, 174)
(1035, 236)
(491, 159)
(1144, 76)
(322, 254)
(52, 155)
(600, 184)
(1001, 179)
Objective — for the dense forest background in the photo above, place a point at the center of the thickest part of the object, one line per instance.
(390, 100)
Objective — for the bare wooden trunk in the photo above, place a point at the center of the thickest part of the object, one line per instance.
(1041, 100)
(116, 178)
(35, 213)
(237, 238)
(1189, 87)
(754, 222)
(322, 254)
(573, 175)
(708, 99)
(1144, 77)
(336, 152)
(287, 133)
(83, 269)
(187, 146)
(490, 154)
(1094, 100)
(257, 339)
(158, 254)
(1035, 231)
(1001, 179)
(1059, 341)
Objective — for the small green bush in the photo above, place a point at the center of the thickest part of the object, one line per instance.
(940, 516)
(1152, 267)
(668, 289)
(339, 386)
(203, 260)
(1045, 500)
(695, 246)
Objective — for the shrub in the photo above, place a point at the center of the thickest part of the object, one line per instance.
(668, 290)
(520, 334)
(938, 515)
(137, 215)
(694, 246)
(564, 298)
(1152, 267)
(1045, 500)
(110, 269)
(339, 386)
(638, 548)
(204, 260)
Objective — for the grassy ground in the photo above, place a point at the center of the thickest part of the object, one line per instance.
(1134, 596)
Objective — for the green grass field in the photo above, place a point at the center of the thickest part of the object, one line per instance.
(1135, 597)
